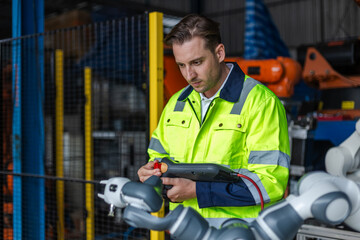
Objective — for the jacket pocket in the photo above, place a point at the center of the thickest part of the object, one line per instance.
(230, 122)
(228, 143)
(177, 132)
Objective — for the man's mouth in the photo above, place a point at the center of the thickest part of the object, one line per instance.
(196, 83)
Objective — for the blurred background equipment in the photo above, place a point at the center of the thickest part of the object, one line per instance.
(280, 75)
(89, 87)
(344, 160)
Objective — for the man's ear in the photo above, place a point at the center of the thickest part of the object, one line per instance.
(220, 52)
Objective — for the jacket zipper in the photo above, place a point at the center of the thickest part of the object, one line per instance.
(197, 117)
(207, 110)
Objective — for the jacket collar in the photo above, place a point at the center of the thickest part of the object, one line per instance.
(231, 90)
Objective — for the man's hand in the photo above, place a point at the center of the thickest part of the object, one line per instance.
(183, 189)
(147, 171)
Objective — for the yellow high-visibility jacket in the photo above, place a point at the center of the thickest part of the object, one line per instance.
(245, 128)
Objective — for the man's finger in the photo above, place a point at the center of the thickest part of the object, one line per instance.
(168, 181)
(147, 171)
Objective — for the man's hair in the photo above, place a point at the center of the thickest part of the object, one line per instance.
(194, 25)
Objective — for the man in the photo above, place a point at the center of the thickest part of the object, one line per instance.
(222, 117)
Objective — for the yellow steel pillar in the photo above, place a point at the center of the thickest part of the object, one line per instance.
(89, 168)
(59, 131)
(156, 85)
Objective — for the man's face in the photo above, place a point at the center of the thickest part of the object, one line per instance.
(199, 66)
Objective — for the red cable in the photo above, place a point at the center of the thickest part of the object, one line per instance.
(257, 188)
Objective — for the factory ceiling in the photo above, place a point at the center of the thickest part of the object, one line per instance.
(56, 7)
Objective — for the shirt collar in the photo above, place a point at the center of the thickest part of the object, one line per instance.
(231, 88)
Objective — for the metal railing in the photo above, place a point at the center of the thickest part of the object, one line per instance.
(73, 111)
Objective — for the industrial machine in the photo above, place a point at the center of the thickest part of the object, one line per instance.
(280, 75)
(344, 160)
(333, 64)
(334, 68)
(329, 199)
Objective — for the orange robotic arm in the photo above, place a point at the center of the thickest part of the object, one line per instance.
(280, 74)
(319, 73)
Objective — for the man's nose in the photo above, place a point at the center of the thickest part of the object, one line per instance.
(190, 73)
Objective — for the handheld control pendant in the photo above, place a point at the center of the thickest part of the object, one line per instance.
(203, 172)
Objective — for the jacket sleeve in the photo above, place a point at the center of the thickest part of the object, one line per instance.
(268, 152)
(211, 194)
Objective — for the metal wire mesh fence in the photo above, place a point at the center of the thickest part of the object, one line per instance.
(73, 111)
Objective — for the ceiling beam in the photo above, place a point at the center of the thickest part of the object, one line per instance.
(140, 7)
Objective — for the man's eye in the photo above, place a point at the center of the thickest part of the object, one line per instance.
(181, 65)
(197, 63)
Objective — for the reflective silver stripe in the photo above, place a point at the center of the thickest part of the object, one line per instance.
(274, 157)
(249, 84)
(252, 188)
(159, 159)
(179, 107)
(216, 222)
(156, 146)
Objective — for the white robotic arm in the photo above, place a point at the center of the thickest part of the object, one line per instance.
(327, 198)
(345, 158)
